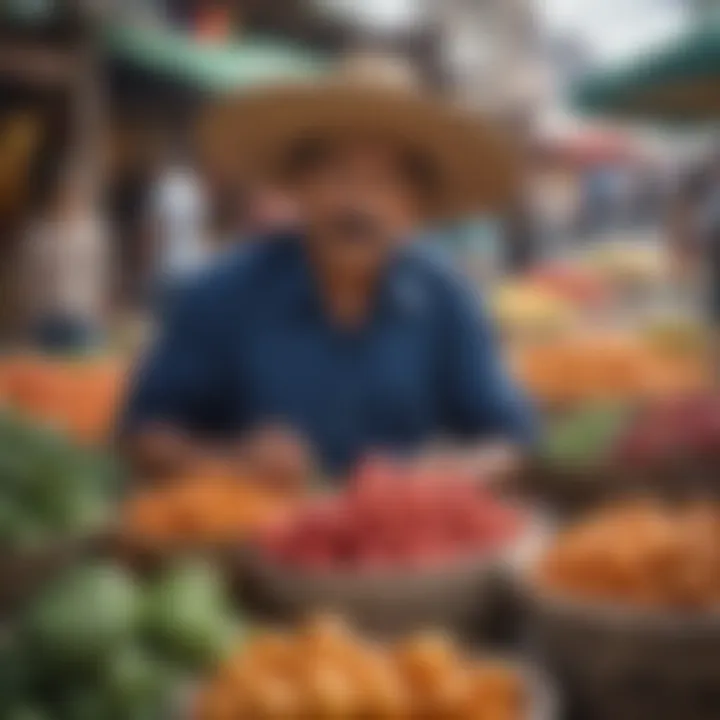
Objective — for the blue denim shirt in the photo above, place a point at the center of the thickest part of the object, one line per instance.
(248, 344)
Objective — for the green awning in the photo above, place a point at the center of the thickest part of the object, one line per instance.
(29, 11)
(677, 82)
(211, 66)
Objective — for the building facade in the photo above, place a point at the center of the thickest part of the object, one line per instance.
(489, 52)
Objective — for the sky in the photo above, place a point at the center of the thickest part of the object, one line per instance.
(612, 28)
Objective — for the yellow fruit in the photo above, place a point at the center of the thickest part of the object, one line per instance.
(498, 690)
(425, 659)
(327, 636)
(270, 698)
(384, 694)
(274, 652)
(327, 693)
(523, 308)
(218, 704)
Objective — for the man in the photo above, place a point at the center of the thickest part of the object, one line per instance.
(341, 338)
(694, 232)
(65, 269)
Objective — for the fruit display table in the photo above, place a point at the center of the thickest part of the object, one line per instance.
(592, 367)
(80, 396)
(306, 601)
(149, 630)
(623, 608)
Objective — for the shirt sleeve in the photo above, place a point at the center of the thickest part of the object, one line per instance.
(482, 401)
(180, 381)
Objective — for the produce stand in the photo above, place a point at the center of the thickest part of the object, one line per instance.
(464, 601)
(97, 576)
(571, 476)
(392, 604)
(396, 574)
(628, 665)
(210, 67)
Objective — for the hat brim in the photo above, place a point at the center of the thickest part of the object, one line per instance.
(475, 162)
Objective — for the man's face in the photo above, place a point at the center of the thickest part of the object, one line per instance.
(271, 209)
(359, 203)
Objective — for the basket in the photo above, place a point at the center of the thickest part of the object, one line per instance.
(569, 491)
(385, 605)
(544, 700)
(621, 664)
(460, 597)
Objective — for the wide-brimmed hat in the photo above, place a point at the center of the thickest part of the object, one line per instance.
(473, 159)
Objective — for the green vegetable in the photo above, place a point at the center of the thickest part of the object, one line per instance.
(49, 486)
(96, 645)
(585, 436)
(187, 615)
(87, 614)
(133, 677)
(26, 712)
(15, 670)
(86, 705)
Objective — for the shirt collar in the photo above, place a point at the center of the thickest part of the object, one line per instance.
(400, 294)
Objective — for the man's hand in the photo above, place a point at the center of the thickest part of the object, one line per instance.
(160, 452)
(492, 463)
(272, 456)
(277, 458)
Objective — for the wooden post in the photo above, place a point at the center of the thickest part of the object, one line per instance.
(66, 66)
(87, 152)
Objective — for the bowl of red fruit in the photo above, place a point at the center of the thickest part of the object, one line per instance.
(394, 551)
(673, 447)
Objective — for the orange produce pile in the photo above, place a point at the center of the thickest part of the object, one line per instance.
(642, 555)
(575, 284)
(81, 397)
(604, 368)
(201, 510)
(326, 671)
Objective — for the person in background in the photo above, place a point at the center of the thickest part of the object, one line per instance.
(341, 337)
(178, 220)
(240, 214)
(65, 272)
(694, 233)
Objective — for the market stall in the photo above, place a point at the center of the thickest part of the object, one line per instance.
(160, 79)
(218, 594)
(161, 603)
(673, 83)
(43, 73)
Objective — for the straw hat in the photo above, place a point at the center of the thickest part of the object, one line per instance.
(369, 95)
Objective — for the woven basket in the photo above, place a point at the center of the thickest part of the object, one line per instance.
(386, 605)
(569, 491)
(459, 597)
(628, 665)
